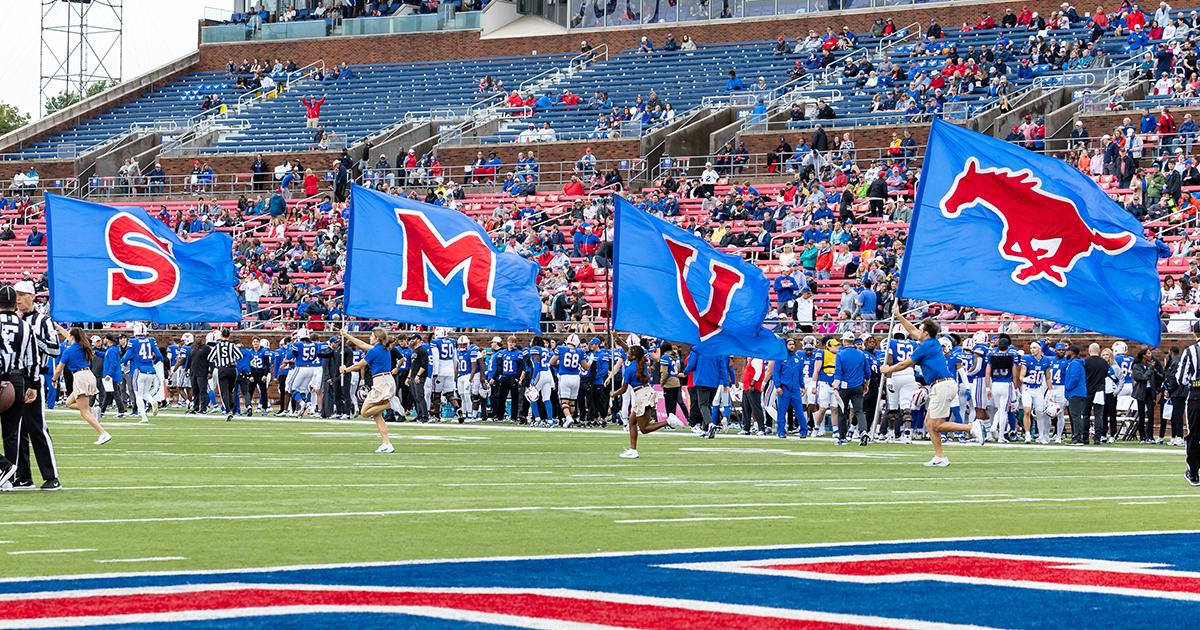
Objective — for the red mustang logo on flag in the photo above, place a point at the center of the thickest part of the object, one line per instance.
(1042, 231)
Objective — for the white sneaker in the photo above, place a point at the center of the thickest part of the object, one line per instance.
(629, 454)
(940, 462)
(154, 408)
(696, 430)
(1058, 439)
(385, 448)
(104, 437)
(1028, 439)
(144, 420)
(568, 423)
(673, 420)
(977, 432)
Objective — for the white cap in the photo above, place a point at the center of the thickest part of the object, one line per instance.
(497, 340)
(25, 286)
(848, 336)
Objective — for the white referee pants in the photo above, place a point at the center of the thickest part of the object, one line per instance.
(145, 391)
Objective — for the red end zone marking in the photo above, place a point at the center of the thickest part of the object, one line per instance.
(536, 606)
(1050, 571)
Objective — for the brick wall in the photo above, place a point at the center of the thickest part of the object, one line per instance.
(469, 44)
(319, 161)
(45, 170)
(868, 141)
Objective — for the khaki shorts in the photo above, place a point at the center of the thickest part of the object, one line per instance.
(643, 399)
(941, 397)
(313, 123)
(383, 389)
(84, 384)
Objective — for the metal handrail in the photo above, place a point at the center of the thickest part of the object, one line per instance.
(886, 45)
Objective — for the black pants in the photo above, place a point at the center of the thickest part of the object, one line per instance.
(672, 401)
(852, 397)
(752, 406)
(341, 394)
(1193, 438)
(419, 409)
(693, 416)
(227, 378)
(245, 391)
(1077, 407)
(1178, 408)
(35, 433)
(284, 397)
(600, 400)
(506, 388)
(1145, 418)
(1110, 416)
(117, 394)
(258, 381)
(200, 393)
(704, 400)
(10, 421)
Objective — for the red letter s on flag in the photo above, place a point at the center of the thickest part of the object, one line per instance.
(425, 249)
(133, 247)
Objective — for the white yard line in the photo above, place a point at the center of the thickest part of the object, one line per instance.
(591, 508)
(705, 518)
(157, 559)
(25, 553)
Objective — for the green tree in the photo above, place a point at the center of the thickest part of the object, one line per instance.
(66, 99)
(11, 118)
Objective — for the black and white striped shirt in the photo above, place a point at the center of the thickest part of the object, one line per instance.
(225, 354)
(45, 337)
(1188, 372)
(18, 350)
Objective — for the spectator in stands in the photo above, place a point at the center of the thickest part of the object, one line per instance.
(824, 111)
(614, 180)
(734, 84)
(6, 234)
(934, 32)
(586, 164)
(687, 45)
(35, 238)
(546, 134)
(645, 46)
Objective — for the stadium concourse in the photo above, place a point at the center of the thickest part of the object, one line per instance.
(221, 474)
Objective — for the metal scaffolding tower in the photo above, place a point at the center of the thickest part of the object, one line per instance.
(81, 46)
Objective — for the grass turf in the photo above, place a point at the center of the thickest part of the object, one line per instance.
(189, 493)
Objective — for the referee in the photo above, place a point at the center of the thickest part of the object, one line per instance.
(224, 357)
(1188, 375)
(33, 420)
(18, 368)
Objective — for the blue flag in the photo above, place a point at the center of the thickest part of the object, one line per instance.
(118, 264)
(667, 283)
(999, 227)
(414, 262)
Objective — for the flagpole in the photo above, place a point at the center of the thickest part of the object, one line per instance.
(887, 334)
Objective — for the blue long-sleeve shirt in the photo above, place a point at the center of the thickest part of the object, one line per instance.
(733, 85)
(1075, 383)
(141, 354)
(112, 364)
(851, 368)
(707, 371)
(1149, 123)
(789, 373)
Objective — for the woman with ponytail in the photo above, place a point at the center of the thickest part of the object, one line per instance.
(645, 400)
(77, 359)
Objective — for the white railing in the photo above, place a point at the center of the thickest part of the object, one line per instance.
(250, 99)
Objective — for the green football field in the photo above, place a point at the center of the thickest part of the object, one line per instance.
(190, 493)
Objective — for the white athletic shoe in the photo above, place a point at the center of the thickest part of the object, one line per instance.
(568, 423)
(629, 454)
(154, 408)
(696, 430)
(977, 432)
(104, 437)
(940, 462)
(673, 420)
(1058, 439)
(385, 448)
(144, 420)
(1028, 439)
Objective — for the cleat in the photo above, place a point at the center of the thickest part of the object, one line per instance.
(674, 421)
(154, 408)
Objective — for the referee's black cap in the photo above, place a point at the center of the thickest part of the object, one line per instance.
(1195, 324)
(8, 295)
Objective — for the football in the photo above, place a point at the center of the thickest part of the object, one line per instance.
(7, 396)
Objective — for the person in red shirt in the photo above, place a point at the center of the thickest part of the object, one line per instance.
(1166, 128)
(573, 187)
(569, 99)
(938, 81)
(314, 110)
(312, 186)
(1100, 18)
(1135, 18)
(824, 260)
(1024, 17)
(515, 100)
(986, 21)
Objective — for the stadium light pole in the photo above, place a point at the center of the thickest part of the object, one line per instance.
(81, 45)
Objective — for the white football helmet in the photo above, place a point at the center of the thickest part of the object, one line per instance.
(440, 331)
(947, 345)
(302, 334)
(464, 341)
(897, 329)
(633, 340)
(1119, 348)
(573, 341)
(531, 394)
(1053, 409)
(139, 329)
(188, 338)
(810, 342)
(979, 339)
(920, 397)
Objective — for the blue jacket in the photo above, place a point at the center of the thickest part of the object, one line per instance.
(785, 288)
(1149, 123)
(851, 368)
(112, 364)
(733, 85)
(789, 373)
(1075, 383)
(707, 371)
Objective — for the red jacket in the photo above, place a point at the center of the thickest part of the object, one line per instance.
(573, 188)
(314, 109)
